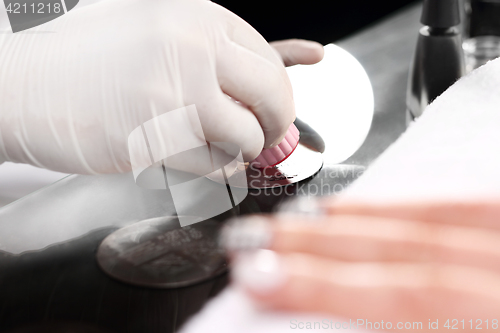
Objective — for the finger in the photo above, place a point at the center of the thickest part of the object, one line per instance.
(359, 238)
(299, 51)
(222, 119)
(243, 34)
(390, 292)
(226, 121)
(484, 213)
(256, 82)
(367, 239)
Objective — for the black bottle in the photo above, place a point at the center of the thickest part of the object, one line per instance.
(439, 60)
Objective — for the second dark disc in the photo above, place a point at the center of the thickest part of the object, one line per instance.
(160, 253)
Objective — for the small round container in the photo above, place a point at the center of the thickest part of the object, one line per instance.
(272, 156)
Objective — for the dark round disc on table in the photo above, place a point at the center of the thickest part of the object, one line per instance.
(160, 253)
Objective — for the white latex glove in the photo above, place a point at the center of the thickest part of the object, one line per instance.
(73, 89)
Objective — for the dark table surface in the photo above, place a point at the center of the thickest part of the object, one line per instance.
(385, 51)
(60, 288)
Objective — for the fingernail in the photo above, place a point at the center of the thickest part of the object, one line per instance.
(277, 142)
(280, 140)
(260, 271)
(244, 234)
(274, 144)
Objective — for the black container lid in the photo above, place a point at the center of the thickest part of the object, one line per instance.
(440, 13)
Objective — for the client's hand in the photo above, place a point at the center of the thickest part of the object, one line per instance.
(406, 263)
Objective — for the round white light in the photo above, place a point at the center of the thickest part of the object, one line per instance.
(335, 98)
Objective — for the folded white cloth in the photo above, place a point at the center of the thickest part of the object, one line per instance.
(451, 152)
(232, 311)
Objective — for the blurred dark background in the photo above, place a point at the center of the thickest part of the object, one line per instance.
(320, 20)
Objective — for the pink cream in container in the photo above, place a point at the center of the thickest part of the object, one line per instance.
(272, 156)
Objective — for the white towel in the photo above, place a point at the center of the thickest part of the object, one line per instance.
(451, 152)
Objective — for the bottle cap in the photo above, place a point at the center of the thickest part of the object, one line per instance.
(272, 156)
(440, 13)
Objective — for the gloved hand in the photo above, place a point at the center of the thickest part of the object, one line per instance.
(73, 89)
